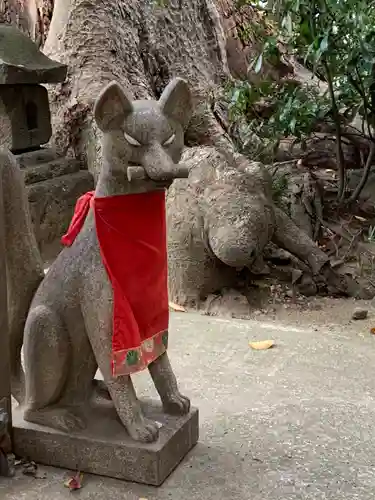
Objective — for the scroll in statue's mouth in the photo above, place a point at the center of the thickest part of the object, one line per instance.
(139, 173)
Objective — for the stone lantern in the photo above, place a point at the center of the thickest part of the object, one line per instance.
(54, 183)
(24, 107)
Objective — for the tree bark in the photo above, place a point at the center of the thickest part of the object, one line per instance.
(20, 13)
(32, 17)
(142, 46)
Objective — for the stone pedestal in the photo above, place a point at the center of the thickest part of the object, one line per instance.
(105, 448)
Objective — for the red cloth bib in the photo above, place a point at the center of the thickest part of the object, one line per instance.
(131, 231)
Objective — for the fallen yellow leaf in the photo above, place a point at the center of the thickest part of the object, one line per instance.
(262, 345)
(176, 307)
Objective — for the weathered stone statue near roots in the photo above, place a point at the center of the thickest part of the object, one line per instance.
(103, 303)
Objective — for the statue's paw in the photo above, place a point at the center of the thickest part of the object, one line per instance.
(146, 431)
(61, 419)
(176, 404)
(70, 422)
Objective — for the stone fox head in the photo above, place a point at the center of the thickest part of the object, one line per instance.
(147, 134)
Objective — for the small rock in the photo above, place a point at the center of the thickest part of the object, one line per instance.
(360, 313)
(315, 307)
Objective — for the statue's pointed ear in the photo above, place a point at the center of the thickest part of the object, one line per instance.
(176, 101)
(111, 107)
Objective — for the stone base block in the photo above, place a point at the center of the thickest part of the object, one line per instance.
(105, 448)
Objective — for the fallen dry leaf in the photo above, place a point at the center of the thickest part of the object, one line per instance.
(262, 345)
(176, 307)
(372, 331)
(74, 482)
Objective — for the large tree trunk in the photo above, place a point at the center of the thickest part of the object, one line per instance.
(20, 13)
(141, 45)
(33, 17)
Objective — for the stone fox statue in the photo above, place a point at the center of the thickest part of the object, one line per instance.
(67, 333)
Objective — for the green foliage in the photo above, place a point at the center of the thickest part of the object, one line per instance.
(295, 110)
(335, 39)
(160, 3)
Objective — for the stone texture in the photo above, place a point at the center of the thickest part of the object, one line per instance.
(52, 203)
(104, 448)
(6, 468)
(220, 221)
(32, 158)
(6, 130)
(53, 185)
(4, 329)
(24, 266)
(27, 109)
(360, 313)
(55, 168)
(22, 63)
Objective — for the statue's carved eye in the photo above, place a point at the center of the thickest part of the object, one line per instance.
(131, 140)
(169, 141)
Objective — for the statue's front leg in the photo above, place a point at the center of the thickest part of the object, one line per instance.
(129, 410)
(166, 384)
(98, 321)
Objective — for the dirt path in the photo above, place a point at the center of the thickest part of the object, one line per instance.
(292, 422)
(313, 312)
(335, 314)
